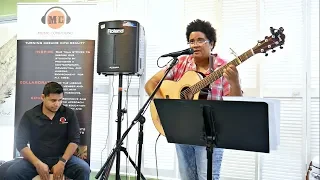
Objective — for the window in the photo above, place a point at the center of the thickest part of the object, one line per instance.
(9, 7)
(283, 78)
(314, 113)
(238, 31)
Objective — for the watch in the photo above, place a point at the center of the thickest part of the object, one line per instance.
(62, 159)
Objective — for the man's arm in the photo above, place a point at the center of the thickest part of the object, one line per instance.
(22, 136)
(72, 147)
(28, 154)
(73, 136)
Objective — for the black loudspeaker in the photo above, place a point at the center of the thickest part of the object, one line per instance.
(121, 48)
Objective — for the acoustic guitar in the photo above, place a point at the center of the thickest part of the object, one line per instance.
(193, 83)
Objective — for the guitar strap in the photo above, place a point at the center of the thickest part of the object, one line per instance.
(212, 58)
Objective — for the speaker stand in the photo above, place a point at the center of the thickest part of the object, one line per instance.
(116, 151)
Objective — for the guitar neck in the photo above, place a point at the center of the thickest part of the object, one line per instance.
(219, 72)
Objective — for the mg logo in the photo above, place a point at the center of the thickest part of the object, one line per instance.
(56, 17)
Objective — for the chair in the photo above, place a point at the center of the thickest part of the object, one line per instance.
(2, 162)
(51, 177)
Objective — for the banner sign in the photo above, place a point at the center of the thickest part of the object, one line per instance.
(56, 42)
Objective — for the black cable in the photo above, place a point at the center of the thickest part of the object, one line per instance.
(109, 117)
(127, 115)
(137, 145)
(164, 65)
(155, 152)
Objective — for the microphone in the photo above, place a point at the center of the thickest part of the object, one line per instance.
(179, 53)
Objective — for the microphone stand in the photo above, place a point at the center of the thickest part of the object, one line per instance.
(141, 119)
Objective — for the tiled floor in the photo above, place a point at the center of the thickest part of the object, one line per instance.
(112, 177)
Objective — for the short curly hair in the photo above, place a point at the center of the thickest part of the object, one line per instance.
(202, 26)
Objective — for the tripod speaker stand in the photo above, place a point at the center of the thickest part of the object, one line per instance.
(115, 154)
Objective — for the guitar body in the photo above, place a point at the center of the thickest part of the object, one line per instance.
(171, 90)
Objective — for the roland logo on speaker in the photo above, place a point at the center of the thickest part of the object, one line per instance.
(115, 31)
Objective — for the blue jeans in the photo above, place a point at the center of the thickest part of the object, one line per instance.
(75, 168)
(192, 162)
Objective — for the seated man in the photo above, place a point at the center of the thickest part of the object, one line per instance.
(52, 130)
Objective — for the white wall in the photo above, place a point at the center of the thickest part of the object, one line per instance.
(7, 31)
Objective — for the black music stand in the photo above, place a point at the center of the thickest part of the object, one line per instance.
(238, 125)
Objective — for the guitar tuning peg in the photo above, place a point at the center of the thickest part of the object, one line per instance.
(281, 29)
(281, 47)
(266, 54)
(272, 30)
(273, 50)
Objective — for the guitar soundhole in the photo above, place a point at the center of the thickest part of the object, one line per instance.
(186, 93)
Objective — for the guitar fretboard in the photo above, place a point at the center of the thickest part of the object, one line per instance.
(219, 72)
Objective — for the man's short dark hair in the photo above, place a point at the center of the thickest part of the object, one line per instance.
(202, 26)
(52, 88)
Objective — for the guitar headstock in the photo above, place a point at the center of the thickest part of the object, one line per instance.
(277, 38)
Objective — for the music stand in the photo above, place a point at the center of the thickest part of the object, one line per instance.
(234, 125)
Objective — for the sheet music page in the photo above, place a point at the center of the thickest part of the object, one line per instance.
(274, 116)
